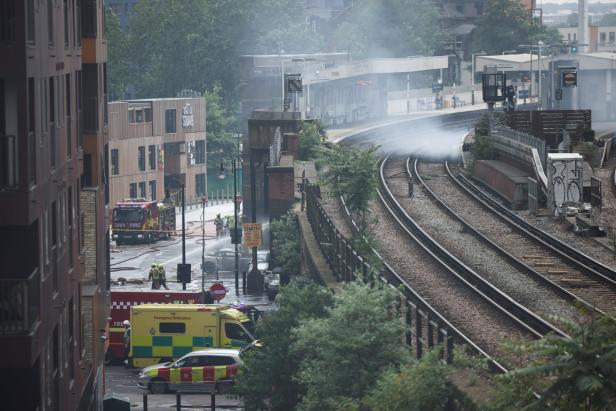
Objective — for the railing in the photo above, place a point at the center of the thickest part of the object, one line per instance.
(19, 303)
(90, 114)
(523, 138)
(9, 177)
(425, 328)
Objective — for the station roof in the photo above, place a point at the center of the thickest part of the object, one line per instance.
(521, 62)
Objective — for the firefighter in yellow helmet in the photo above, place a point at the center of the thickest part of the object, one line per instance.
(162, 278)
(154, 276)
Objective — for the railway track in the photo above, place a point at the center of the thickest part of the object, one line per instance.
(563, 268)
(481, 315)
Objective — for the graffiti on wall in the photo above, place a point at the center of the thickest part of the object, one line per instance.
(564, 179)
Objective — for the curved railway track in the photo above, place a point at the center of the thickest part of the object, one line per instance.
(564, 268)
(478, 315)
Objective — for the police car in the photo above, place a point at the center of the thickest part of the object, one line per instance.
(211, 370)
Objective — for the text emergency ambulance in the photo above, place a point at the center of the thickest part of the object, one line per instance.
(162, 332)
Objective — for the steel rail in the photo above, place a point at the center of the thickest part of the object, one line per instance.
(392, 278)
(485, 290)
(586, 264)
(566, 294)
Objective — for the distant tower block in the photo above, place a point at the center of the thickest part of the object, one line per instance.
(582, 25)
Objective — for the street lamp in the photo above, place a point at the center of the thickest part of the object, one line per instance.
(235, 237)
(539, 46)
(473, 74)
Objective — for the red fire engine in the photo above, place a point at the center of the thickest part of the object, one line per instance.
(121, 301)
(143, 220)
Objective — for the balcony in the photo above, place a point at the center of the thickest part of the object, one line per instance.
(19, 304)
(9, 177)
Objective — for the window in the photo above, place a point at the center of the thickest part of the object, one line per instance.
(115, 162)
(612, 37)
(141, 158)
(66, 23)
(200, 152)
(236, 332)
(142, 189)
(170, 120)
(54, 224)
(50, 21)
(172, 328)
(153, 190)
(200, 184)
(215, 360)
(133, 190)
(30, 21)
(602, 38)
(152, 156)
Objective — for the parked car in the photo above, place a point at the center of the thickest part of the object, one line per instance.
(211, 370)
(271, 283)
(225, 259)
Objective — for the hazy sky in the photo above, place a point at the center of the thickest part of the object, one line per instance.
(539, 2)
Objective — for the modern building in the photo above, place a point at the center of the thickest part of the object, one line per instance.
(336, 90)
(54, 280)
(601, 38)
(157, 145)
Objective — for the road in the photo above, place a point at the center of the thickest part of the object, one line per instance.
(132, 262)
(123, 382)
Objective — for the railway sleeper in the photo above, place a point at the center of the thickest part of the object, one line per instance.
(575, 282)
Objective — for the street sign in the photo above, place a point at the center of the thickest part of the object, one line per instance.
(252, 235)
(294, 83)
(218, 291)
(569, 78)
(559, 94)
(437, 87)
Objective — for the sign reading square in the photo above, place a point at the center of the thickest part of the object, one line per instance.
(570, 79)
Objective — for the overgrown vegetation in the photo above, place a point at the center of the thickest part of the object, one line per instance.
(311, 139)
(588, 152)
(285, 243)
(483, 148)
(346, 352)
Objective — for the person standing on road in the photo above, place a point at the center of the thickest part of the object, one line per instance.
(162, 278)
(154, 276)
(126, 325)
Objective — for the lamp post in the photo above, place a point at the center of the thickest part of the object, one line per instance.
(235, 237)
(539, 46)
(473, 75)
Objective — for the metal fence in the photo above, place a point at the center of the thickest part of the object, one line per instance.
(524, 138)
(425, 328)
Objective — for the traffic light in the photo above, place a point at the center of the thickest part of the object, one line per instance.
(574, 48)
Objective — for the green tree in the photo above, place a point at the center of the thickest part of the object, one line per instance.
(268, 379)
(390, 28)
(505, 25)
(117, 54)
(416, 386)
(311, 137)
(221, 137)
(569, 374)
(285, 243)
(345, 352)
(352, 173)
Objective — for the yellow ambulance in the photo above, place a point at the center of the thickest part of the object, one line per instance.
(163, 332)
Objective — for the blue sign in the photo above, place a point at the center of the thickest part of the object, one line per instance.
(437, 87)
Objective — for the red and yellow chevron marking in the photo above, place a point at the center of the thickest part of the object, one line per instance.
(195, 374)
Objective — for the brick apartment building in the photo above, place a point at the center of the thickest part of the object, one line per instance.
(54, 279)
(157, 145)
